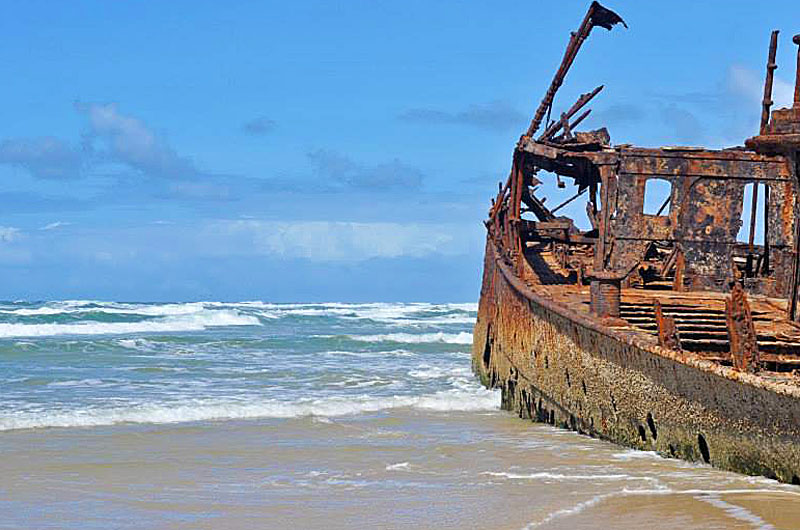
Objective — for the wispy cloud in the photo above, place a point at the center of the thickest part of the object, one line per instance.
(619, 114)
(44, 157)
(334, 241)
(12, 252)
(112, 137)
(259, 126)
(128, 140)
(393, 174)
(54, 225)
(686, 127)
(9, 234)
(493, 116)
(749, 85)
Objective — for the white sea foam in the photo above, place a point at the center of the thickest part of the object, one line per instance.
(397, 466)
(635, 454)
(426, 371)
(711, 496)
(546, 475)
(450, 400)
(572, 510)
(193, 322)
(79, 383)
(463, 337)
(370, 354)
(87, 306)
(736, 512)
(390, 313)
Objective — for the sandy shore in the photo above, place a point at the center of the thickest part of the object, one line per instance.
(404, 469)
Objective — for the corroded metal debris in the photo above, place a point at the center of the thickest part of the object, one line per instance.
(689, 282)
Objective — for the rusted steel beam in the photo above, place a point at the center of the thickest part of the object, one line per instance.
(597, 15)
(765, 257)
(608, 189)
(680, 271)
(583, 100)
(667, 332)
(796, 40)
(753, 211)
(500, 195)
(579, 119)
(604, 294)
(742, 332)
(537, 206)
(557, 208)
(771, 67)
(669, 262)
(791, 310)
(664, 204)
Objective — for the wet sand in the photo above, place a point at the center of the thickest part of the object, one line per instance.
(402, 468)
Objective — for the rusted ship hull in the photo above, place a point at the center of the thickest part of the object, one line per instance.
(557, 366)
(672, 328)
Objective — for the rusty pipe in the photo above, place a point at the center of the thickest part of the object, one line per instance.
(796, 40)
(582, 101)
(597, 15)
(771, 66)
(753, 213)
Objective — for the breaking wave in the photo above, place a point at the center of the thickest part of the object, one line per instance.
(462, 337)
(192, 322)
(402, 313)
(478, 399)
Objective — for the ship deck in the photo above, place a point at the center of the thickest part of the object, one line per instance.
(699, 317)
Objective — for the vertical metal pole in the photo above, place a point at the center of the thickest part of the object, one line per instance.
(796, 40)
(753, 213)
(771, 66)
(765, 260)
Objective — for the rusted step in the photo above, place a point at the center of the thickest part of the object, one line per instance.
(770, 362)
(669, 307)
(686, 328)
(683, 310)
(678, 320)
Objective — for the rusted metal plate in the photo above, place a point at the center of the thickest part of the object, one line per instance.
(743, 342)
(667, 332)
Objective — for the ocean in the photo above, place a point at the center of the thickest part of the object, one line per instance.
(334, 415)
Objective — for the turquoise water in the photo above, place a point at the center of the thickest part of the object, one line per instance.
(258, 415)
(84, 363)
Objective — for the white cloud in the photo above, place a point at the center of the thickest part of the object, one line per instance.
(392, 175)
(745, 82)
(130, 141)
(336, 241)
(53, 226)
(11, 253)
(44, 157)
(9, 234)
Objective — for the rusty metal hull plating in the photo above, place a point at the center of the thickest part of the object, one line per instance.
(562, 368)
(658, 328)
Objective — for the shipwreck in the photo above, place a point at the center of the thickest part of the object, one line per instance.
(659, 330)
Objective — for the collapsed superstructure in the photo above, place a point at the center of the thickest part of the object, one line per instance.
(655, 328)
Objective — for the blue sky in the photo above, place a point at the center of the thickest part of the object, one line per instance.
(301, 151)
